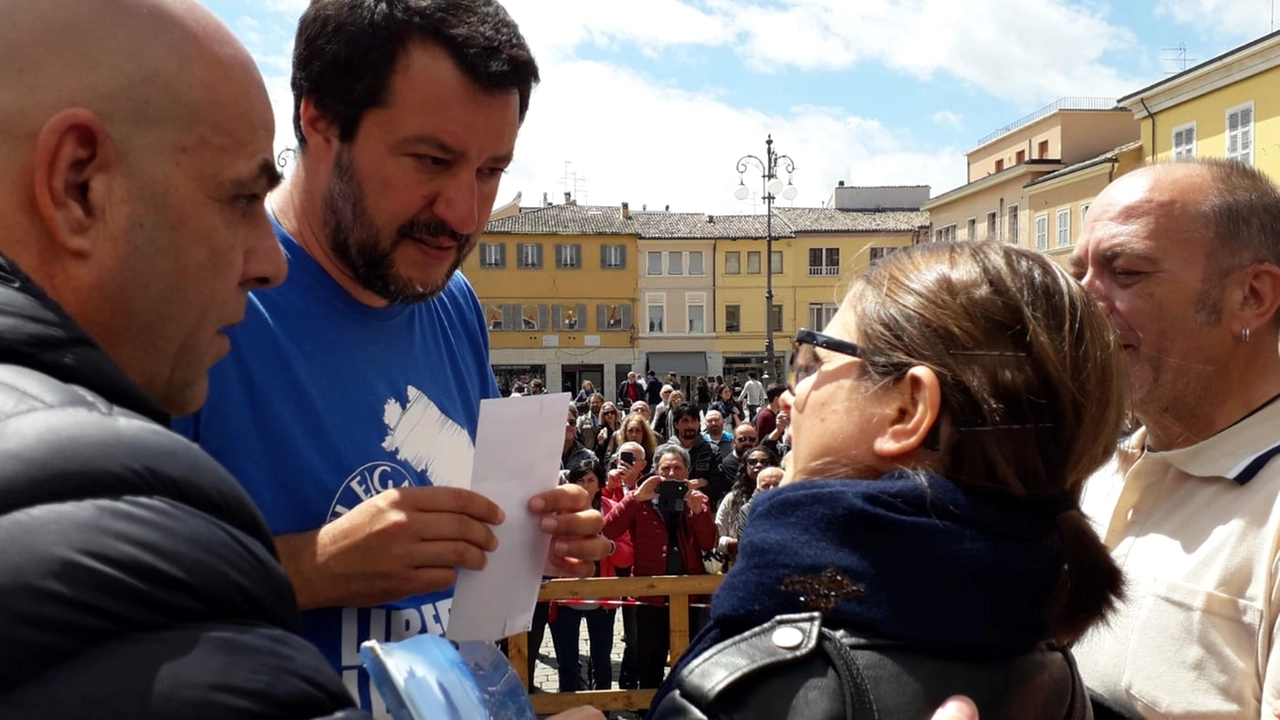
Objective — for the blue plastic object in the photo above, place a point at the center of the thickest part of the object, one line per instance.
(427, 677)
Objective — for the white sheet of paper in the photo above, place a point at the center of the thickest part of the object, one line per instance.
(518, 447)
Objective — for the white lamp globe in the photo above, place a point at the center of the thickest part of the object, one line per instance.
(775, 186)
(789, 192)
(742, 192)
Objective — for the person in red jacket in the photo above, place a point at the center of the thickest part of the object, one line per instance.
(670, 526)
(566, 619)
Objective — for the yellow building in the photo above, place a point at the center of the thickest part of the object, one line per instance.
(1224, 107)
(815, 251)
(558, 286)
(994, 203)
(1058, 202)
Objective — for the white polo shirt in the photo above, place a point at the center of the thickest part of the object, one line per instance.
(1197, 533)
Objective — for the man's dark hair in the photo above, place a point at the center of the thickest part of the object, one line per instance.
(683, 411)
(751, 374)
(774, 392)
(346, 51)
(653, 374)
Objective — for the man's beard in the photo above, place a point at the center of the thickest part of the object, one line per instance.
(689, 435)
(354, 240)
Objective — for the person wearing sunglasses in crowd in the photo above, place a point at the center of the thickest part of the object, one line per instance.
(729, 513)
(610, 422)
(934, 544)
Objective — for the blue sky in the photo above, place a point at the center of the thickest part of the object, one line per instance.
(653, 101)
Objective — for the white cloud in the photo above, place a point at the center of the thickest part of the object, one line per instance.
(1232, 18)
(948, 119)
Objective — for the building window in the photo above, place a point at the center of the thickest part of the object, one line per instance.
(656, 311)
(654, 263)
(493, 255)
(732, 318)
(695, 263)
(696, 311)
(753, 262)
(1015, 231)
(999, 165)
(613, 317)
(1020, 158)
(992, 226)
(1184, 141)
(568, 318)
(820, 314)
(733, 263)
(824, 261)
(1064, 227)
(775, 262)
(532, 317)
(675, 263)
(776, 316)
(1240, 133)
(879, 253)
(1084, 210)
(613, 257)
(945, 234)
(1042, 151)
(495, 316)
(972, 229)
(530, 255)
(1042, 231)
(568, 257)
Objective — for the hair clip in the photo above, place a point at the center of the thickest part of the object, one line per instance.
(1029, 426)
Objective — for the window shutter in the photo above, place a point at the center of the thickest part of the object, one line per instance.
(542, 317)
(577, 255)
(604, 261)
(622, 257)
(559, 255)
(602, 316)
(511, 317)
(582, 318)
(538, 254)
(626, 316)
(502, 255)
(557, 322)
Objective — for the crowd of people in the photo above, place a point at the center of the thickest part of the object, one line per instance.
(629, 465)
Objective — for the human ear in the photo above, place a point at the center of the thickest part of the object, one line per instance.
(1259, 299)
(73, 166)
(321, 132)
(913, 409)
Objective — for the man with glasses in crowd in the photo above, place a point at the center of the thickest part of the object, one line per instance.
(744, 439)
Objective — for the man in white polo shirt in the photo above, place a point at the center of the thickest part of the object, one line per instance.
(1183, 257)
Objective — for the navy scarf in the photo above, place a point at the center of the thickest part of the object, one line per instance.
(907, 557)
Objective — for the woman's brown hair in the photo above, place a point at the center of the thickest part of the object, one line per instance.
(1032, 387)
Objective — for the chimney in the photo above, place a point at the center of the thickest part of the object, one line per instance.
(711, 219)
(568, 198)
(626, 211)
(840, 184)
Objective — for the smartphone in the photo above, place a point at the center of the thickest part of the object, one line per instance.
(627, 457)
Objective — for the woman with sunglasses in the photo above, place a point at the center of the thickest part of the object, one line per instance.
(729, 513)
(926, 540)
(610, 421)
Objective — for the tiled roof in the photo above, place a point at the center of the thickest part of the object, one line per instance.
(833, 220)
(1107, 156)
(608, 220)
(672, 226)
(565, 220)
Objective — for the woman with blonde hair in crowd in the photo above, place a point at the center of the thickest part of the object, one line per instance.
(634, 429)
(927, 539)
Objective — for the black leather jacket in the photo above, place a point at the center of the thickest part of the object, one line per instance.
(137, 579)
(792, 668)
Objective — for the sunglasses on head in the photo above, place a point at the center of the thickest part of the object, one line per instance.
(609, 412)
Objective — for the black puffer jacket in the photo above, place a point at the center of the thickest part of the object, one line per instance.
(136, 578)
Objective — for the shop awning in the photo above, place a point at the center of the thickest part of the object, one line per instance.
(680, 363)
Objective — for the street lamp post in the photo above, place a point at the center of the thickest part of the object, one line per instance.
(772, 186)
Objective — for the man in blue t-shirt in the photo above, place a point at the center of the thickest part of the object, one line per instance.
(348, 407)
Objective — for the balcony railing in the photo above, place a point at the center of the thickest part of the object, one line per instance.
(1066, 103)
(823, 270)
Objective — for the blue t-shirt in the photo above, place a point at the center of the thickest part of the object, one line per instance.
(325, 402)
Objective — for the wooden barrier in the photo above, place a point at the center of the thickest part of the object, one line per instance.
(676, 587)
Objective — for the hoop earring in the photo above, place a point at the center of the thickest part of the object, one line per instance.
(1244, 334)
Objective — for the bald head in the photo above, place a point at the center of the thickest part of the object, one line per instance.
(135, 153)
